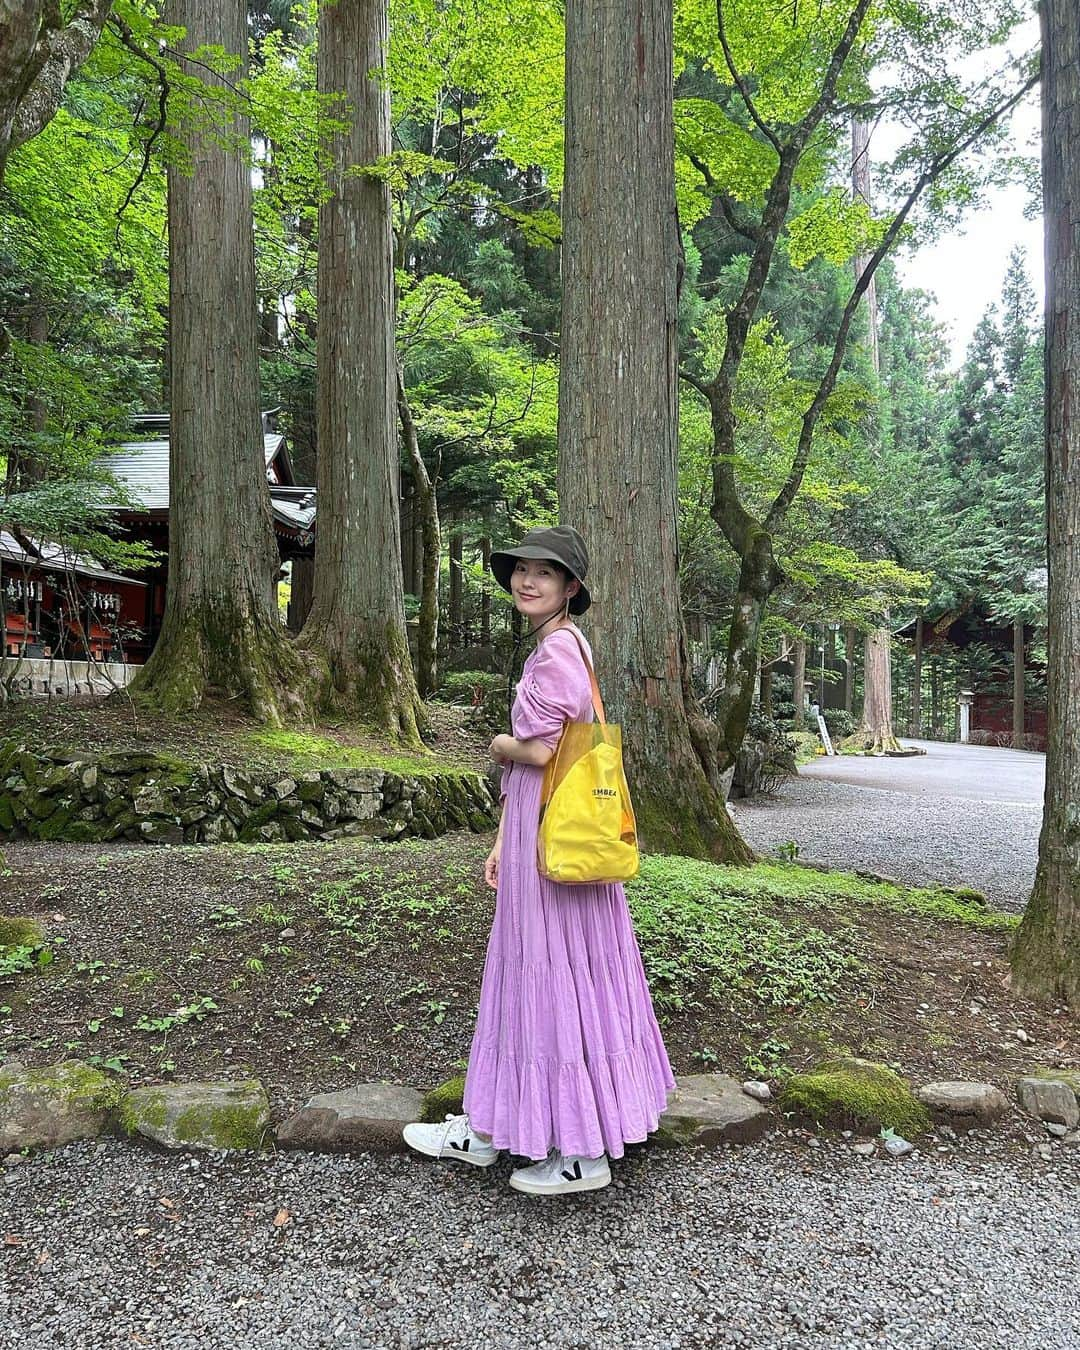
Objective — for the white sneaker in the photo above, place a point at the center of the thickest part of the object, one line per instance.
(559, 1175)
(451, 1139)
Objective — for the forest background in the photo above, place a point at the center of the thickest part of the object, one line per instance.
(922, 497)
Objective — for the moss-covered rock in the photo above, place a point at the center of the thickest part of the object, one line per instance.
(857, 1093)
(19, 932)
(198, 1115)
(446, 1097)
(50, 1106)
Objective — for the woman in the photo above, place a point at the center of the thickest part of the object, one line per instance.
(567, 1061)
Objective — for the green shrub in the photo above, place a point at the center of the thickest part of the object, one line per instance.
(840, 722)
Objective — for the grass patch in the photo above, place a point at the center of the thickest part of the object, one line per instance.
(313, 752)
(711, 931)
(700, 930)
(781, 881)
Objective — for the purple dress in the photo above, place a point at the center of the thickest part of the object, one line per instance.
(567, 1052)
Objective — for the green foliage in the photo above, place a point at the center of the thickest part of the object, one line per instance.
(700, 934)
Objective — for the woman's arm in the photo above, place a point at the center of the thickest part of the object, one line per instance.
(521, 751)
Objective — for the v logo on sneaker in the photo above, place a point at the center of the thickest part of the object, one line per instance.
(575, 1175)
(464, 1147)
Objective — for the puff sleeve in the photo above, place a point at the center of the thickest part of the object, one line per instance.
(555, 690)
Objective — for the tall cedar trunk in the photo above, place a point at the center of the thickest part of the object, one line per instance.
(916, 680)
(303, 578)
(876, 728)
(1018, 684)
(935, 697)
(766, 688)
(426, 509)
(877, 721)
(24, 466)
(357, 621)
(1046, 957)
(798, 684)
(220, 631)
(618, 412)
(457, 634)
(849, 669)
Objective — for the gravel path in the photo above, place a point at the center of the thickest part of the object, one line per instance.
(778, 1244)
(958, 841)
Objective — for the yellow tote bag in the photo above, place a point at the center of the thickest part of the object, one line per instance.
(587, 830)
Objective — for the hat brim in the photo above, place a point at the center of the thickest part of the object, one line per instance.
(503, 560)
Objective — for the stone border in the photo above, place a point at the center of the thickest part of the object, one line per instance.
(51, 1106)
(148, 798)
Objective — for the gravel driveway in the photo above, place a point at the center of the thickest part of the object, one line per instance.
(775, 1244)
(960, 815)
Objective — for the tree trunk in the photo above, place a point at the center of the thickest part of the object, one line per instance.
(356, 628)
(766, 688)
(426, 507)
(876, 729)
(39, 53)
(916, 680)
(1018, 684)
(25, 465)
(849, 669)
(485, 594)
(456, 634)
(798, 684)
(618, 413)
(935, 698)
(303, 578)
(221, 631)
(1046, 956)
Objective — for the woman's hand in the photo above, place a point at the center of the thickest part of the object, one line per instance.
(491, 864)
(499, 749)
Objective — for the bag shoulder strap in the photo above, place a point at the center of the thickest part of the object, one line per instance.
(598, 702)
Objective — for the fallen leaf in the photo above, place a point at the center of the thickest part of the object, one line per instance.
(42, 1257)
(141, 1232)
(13, 1240)
(169, 1204)
(281, 1218)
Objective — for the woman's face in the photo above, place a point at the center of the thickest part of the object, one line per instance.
(538, 588)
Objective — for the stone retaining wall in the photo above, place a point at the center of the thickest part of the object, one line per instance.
(61, 794)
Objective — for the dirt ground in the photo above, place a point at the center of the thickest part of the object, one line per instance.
(313, 966)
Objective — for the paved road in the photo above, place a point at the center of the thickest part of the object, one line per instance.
(978, 773)
(960, 815)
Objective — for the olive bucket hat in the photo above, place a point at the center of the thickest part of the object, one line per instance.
(561, 543)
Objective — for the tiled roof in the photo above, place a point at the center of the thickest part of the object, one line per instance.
(143, 468)
(49, 555)
(294, 507)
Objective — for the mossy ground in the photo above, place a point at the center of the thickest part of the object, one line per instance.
(217, 734)
(19, 932)
(314, 966)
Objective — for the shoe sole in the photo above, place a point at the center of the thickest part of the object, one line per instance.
(563, 1188)
(454, 1157)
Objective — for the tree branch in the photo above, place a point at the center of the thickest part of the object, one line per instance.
(937, 166)
(721, 199)
(127, 37)
(740, 82)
